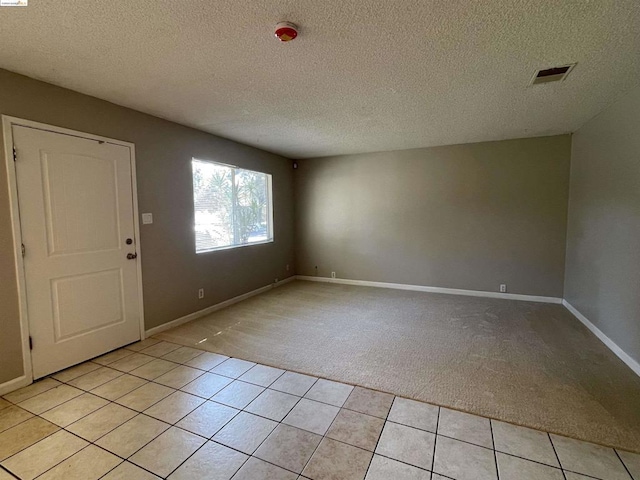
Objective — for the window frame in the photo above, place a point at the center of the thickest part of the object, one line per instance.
(270, 221)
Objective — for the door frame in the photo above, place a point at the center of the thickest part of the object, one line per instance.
(7, 123)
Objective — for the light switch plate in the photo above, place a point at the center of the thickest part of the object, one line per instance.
(147, 218)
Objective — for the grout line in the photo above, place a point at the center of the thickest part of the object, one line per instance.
(467, 442)
(3, 469)
(108, 451)
(463, 441)
(207, 439)
(275, 428)
(210, 439)
(20, 423)
(323, 435)
(556, 454)
(59, 428)
(108, 432)
(395, 460)
(435, 441)
(527, 459)
(64, 459)
(495, 455)
(386, 418)
(585, 475)
(441, 475)
(121, 463)
(185, 460)
(622, 462)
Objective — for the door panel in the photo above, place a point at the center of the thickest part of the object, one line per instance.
(81, 203)
(73, 317)
(76, 211)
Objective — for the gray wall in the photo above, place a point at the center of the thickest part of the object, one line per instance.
(465, 216)
(172, 272)
(603, 240)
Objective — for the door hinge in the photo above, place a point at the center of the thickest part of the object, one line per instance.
(23, 250)
(15, 154)
(30, 343)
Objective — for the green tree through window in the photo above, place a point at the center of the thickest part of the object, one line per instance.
(232, 206)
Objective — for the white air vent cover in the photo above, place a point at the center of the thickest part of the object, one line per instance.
(555, 74)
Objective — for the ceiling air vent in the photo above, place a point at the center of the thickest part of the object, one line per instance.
(555, 74)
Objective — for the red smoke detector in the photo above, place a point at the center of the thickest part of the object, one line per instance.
(286, 31)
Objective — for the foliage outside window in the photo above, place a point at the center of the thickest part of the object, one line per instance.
(232, 206)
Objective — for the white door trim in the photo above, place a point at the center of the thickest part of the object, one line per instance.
(7, 123)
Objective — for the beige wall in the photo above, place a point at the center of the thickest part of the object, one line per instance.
(172, 272)
(603, 240)
(466, 216)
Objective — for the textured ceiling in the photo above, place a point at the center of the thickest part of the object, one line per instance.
(362, 76)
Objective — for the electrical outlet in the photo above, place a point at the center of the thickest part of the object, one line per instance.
(201, 293)
(333, 274)
(503, 288)
(287, 267)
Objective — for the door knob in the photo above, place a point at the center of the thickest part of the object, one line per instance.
(132, 256)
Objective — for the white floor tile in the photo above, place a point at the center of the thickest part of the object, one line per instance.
(212, 462)
(632, 462)
(233, 367)
(312, 416)
(129, 471)
(524, 442)
(131, 436)
(414, 414)
(272, 404)
(383, 468)
(466, 427)
(406, 444)
(164, 454)
(589, 459)
(45, 454)
(207, 385)
(294, 383)
(245, 432)
(326, 391)
(73, 410)
(208, 419)
(516, 468)
(256, 469)
(91, 463)
(464, 461)
(101, 422)
(174, 407)
(261, 375)
(238, 394)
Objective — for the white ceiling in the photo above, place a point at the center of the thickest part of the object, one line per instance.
(363, 75)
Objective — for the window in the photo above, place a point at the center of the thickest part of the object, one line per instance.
(232, 206)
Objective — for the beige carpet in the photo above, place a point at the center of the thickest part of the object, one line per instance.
(526, 363)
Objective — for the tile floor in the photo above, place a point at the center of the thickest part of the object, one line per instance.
(160, 410)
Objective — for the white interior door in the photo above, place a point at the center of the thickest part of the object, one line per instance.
(76, 216)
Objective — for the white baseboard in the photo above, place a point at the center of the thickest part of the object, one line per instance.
(216, 307)
(14, 384)
(421, 288)
(622, 355)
